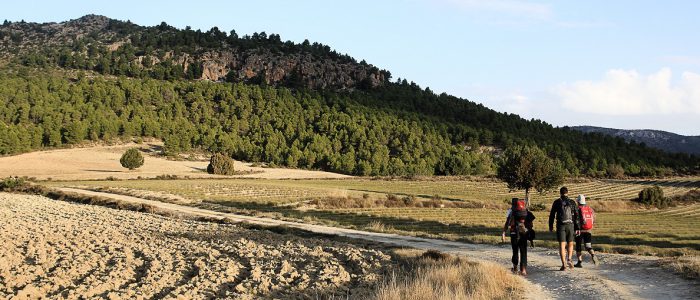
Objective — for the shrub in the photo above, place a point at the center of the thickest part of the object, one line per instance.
(11, 183)
(653, 196)
(435, 255)
(131, 159)
(538, 207)
(615, 171)
(220, 164)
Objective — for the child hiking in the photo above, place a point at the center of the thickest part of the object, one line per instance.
(519, 224)
(566, 212)
(586, 219)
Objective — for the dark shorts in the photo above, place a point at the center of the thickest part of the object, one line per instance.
(565, 232)
(584, 239)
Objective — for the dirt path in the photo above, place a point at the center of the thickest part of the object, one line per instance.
(618, 276)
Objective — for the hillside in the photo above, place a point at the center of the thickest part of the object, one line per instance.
(95, 78)
(113, 47)
(667, 141)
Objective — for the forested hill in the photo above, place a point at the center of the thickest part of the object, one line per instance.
(658, 139)
(58, 86)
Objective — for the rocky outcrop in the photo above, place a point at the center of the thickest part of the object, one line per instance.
(292, 69)
(257, 64)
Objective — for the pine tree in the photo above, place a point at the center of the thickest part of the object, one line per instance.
(131, 159)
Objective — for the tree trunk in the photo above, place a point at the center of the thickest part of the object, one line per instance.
(527, 198)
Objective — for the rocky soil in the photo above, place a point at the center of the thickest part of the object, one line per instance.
(61, 250)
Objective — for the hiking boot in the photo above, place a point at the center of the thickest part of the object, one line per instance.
(595, 260)
(515, 270)
(563, 268)
(578, 265)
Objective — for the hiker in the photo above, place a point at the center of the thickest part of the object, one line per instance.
(519, 224)
(586, 219)
(566, 212)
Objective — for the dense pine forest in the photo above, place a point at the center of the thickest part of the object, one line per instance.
(336, 117)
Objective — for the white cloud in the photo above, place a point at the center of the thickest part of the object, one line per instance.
(626, 92)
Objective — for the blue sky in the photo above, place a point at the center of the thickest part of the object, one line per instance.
(622, 64)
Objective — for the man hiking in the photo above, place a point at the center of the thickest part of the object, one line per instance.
(566, 212)
(519, 224)
(586, 219)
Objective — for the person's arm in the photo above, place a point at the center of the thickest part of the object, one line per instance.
(552, 213)
(580, 217)
(505, 227)
(576, 215)
(529, 220)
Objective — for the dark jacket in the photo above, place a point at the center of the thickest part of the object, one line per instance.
(557, 211)
(528, 222)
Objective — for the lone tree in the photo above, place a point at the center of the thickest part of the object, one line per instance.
(220, 164)
(131, 159)
(525, 168)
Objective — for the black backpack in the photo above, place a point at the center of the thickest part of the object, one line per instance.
(566, 210)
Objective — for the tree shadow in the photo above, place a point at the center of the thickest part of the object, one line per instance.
(199, 169)
(101, 171)
(663, 183)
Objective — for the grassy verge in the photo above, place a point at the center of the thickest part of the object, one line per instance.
(687, 266)
(435, 275)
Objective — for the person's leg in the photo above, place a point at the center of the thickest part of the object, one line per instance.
(579, 252)
(514, 245)
(588, 241)
(523, 256)
(561, 237)
(570, 244)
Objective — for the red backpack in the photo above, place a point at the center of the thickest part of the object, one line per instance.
(518, 215)
(588, 216)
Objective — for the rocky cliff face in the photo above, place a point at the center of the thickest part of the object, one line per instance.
(302, 69)
(258, 64)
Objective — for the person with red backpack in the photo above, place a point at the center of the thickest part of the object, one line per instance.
(587, 219)
(519, 223)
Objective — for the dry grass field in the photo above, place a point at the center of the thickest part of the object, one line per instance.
(622, 226)
(100, 162)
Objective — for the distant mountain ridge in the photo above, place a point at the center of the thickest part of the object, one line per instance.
(667, 141)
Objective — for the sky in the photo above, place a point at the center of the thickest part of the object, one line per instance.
(621, 64)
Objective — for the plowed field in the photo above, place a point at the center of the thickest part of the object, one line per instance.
(61, 250)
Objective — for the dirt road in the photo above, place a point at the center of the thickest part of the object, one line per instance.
(617, 277)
